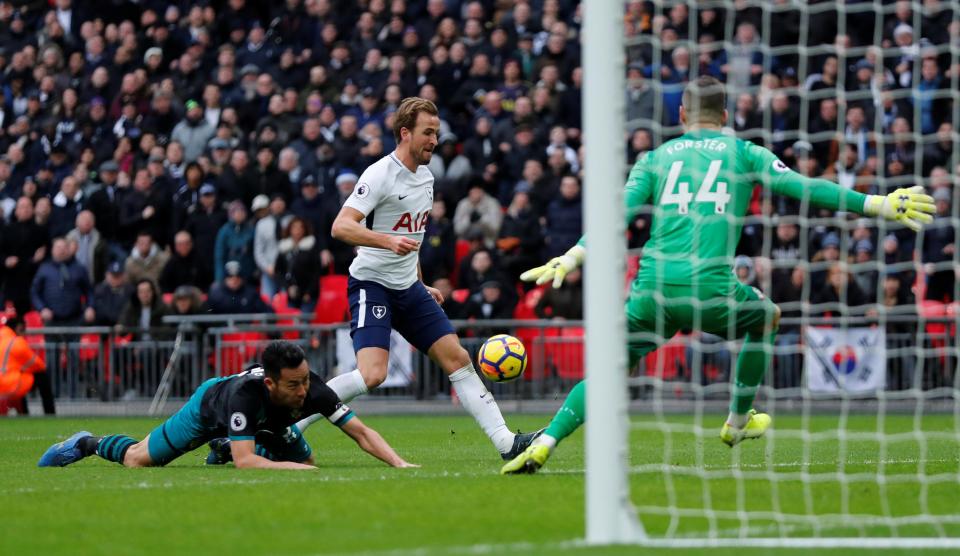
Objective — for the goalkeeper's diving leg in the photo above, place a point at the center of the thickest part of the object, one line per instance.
(572, 413)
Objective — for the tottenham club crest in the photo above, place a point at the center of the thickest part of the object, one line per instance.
(430, 194)
(362, 190)
(238, 421)
(379, 311)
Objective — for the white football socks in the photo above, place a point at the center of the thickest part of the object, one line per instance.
(347, 386)
(737, 420)
(479, 403)
(545, 440)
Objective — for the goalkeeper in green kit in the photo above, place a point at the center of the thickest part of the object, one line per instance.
(700, 185)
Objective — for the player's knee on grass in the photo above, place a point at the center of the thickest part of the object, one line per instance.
(138, 455)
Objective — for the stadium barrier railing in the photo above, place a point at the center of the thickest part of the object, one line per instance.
(107, 365)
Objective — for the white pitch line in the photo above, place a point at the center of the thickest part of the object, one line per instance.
(502, 548)
(310, 477)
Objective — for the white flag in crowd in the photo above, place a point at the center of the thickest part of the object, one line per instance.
(852, 360)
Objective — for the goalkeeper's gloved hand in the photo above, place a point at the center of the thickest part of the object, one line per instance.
(909, 206)
(556, 268)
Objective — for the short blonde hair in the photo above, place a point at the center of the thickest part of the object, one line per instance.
(410, 108)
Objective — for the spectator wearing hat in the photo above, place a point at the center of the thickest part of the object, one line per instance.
(235, 243)
(829, 252)
(315, 209)
(232, 295)
(105, 200)
(341, 252)
(23, 246)
(187, 194)
(90, 248)
(864, 273)
(193, 132)
(219, 148)
(146, 260)
(939, 246)
(204, 221)
(268, 232)
(903, 39)
(187, 300)
(367, 111)
(183, 267)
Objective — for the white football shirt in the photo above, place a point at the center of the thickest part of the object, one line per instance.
(395, 201)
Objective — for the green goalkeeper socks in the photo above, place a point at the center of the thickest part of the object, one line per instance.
(571, 414)
(751, 366)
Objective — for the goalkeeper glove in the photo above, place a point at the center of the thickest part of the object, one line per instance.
(909, 206)
(556, 268)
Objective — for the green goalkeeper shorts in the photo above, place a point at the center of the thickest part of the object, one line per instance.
(656, 313)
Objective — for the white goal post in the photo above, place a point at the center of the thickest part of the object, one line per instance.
(611, 517)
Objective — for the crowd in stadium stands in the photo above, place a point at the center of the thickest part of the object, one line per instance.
(195, 153)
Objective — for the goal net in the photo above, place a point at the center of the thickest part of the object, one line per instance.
(863, 385)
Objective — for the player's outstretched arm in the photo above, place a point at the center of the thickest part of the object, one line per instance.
(372, 443)
(556, 268)
(908, 206)
(347, 228)
(245, 458)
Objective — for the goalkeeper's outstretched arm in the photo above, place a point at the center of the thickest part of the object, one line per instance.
(909, 206)
(638, 192)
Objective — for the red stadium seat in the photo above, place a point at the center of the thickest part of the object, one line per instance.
(32, 319)
(167, 298)
(461, 295)
(461, 250)
(569, 355)
(667, 362)
(280, 301)
(333, 305)
(241, 348)
(89, 347)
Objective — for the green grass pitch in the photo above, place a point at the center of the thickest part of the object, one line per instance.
(456, 503)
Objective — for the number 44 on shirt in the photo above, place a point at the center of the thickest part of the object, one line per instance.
(677, 192)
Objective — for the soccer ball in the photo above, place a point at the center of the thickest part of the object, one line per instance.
(502, 358)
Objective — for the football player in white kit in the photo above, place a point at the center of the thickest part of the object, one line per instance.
(386, 217)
